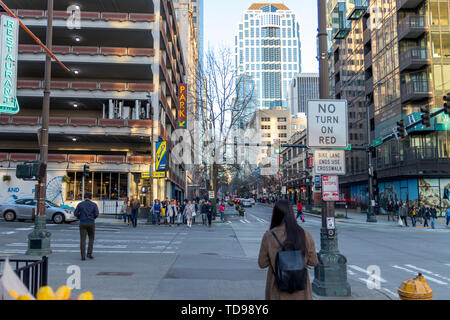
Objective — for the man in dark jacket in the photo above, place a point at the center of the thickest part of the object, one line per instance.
(433, 216)
(87, 212)
(426, 216)
(135, 205)
(210, 212)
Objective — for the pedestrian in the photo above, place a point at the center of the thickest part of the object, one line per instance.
(183, 207)
(390, 211)
(189, 212)
(204, 211)
(123, 210)
(448, 216)
(195, 203)
(87, 212)
(413, 216)
(397, 209)
(222, 211)
(172, 212)
(403, 214)
(165, 205)
(433, 216)
(284, 229)
(426, 216)
(135, 205)
(156, 208)
(209, 212)
(129, 212)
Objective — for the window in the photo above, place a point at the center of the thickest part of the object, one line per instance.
(282, 120)
(265, 127)
(102, 185)
(265, 119)
(282, 127)
(282, 135)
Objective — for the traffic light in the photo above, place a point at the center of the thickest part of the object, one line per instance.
(31, 170)
(447, 104)
(277, 146)
(402, 133)
(86, 171)
(426, 117)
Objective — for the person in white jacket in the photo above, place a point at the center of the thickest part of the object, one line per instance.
(172, 212)
(189, 212)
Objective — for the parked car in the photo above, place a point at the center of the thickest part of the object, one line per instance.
(246, 203)
(22, 209)
(253, 201)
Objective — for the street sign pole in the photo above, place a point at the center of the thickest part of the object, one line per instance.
(371, 217)
(39, 238)
(330, 276)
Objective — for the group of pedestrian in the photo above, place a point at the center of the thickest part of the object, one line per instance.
(402, 212)
(174, 212)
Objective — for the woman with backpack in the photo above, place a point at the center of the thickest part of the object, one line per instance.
(285, 234)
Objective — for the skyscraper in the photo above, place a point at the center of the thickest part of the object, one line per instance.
(268, 50)
(304, 87)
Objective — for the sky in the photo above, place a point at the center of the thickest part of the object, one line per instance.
(223, 16)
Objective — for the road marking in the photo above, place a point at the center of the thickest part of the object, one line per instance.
(242, 221)
(391, 292)
(69, 245)
(373, 276)
(247, 221)
(350, 272)
(8, 232)
(427, 271)
(95, 251)
(415, 273)
(23, 229)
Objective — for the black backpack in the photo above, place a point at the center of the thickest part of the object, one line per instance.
(290, 269)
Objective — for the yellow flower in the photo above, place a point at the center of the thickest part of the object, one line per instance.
(24, 297)
(63, 293)
(45, 293)
(86, 296)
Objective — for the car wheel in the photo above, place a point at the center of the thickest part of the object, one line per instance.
(58, 218)
(9, 216)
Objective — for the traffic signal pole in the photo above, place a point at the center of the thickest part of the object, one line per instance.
(371, 216)
(330, 276)
(39, 238)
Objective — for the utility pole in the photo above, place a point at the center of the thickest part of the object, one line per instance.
(371, 217)
(39, 238)
(330, 276)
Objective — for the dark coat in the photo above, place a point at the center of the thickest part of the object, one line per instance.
(86, 211)
(267, 256)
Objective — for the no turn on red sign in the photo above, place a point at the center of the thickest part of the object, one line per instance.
(330, 188)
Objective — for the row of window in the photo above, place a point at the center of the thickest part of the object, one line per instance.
(271, 42)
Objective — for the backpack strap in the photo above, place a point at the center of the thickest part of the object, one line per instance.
(278, 240)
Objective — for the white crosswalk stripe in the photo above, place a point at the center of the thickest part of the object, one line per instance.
(429, 278)
(373, 276)
(427, 272)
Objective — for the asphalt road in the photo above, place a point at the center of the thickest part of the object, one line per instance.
(162, 262)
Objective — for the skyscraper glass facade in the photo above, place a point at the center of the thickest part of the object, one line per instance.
(268, 51)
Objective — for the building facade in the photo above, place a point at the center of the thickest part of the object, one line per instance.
(268, 50)
(119, 99)
(304, 87)
(406, 66)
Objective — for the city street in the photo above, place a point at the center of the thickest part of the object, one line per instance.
(162, 262)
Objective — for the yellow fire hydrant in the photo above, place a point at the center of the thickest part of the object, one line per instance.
(415, 289)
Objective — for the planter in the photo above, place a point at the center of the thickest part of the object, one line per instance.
(66, 179)
(6, 178)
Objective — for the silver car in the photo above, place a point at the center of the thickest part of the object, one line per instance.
(22, 209)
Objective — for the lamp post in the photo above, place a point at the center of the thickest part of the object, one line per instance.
(330, 276)
(39, 238)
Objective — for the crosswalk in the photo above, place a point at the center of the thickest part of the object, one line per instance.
(391, 276)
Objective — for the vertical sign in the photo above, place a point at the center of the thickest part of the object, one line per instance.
(8, 69)
(330, 188)
(182, 109)
(160, 158)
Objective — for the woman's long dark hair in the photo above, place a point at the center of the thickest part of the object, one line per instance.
(295, 235)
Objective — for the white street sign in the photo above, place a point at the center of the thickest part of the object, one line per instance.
(211, 194)
(283, 190)
(327, 124)
(330, 223)
(329, 162)
(330, 188)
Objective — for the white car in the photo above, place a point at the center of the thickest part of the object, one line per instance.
(246, 203)
(253, 201)
(22, 209)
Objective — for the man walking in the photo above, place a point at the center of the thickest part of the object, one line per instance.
(433, 215)
(87, 212)
(390, 211)
(426, 216)
(209, 213)
(403, 214)
(135, 205)
(156, 212)
(204, 211)
(448, 216)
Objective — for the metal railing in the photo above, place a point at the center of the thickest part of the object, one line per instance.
(33, 273)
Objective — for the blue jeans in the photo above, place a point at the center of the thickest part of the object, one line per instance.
(432, 222)
(222, 214)
(448, 220)
(413, 221)
(134, 214)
